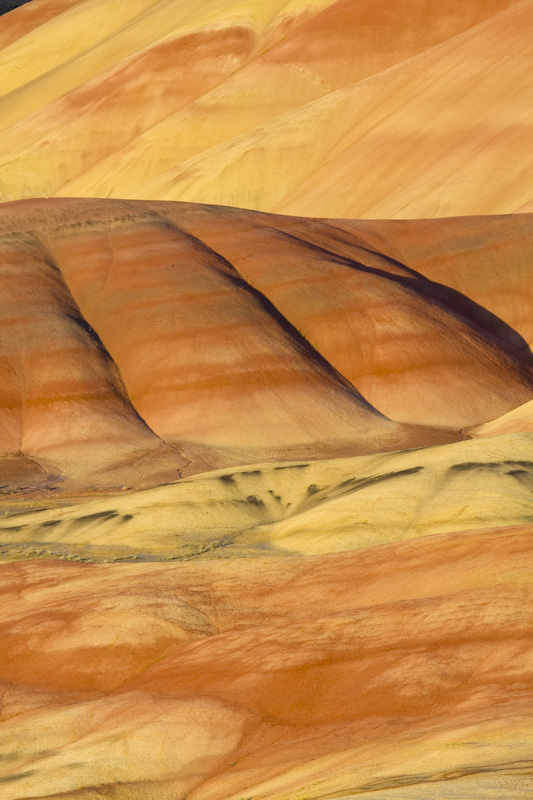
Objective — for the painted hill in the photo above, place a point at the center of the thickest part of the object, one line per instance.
(360, 620)
(265, 475)
(145, 341)
(309, 107)
(293, 508)
(299, 677)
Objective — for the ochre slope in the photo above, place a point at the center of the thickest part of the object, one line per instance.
(303, 508)
(83, 125)
(339, 46)
(156, 55)
(125, 331)
(430, 137)
(26, 60)
(518, 420)
(238, 337)
(318, 74)
(485, 258)
(526, 207)
(220, 366)
(416, 349)
(332, 675)
(133, 28)
(32, 15)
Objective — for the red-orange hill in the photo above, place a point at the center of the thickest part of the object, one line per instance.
(382, 678)
(155, 339)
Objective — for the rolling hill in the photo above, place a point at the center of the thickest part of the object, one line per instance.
(266, 381)
(341, 603)
(310, 107)
(146, 341)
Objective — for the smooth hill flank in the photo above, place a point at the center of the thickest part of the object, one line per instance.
(206, 358)
(337, 48)
(145, 341)
(518, 420)
(484, 258)
(157, 99)
(63, 406)
(421, 351)
(188, 352)
(430, 137)
(401, 671)
(36, 13)
(303, 508)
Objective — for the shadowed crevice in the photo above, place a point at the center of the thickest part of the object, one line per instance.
(75, 316)
(449, 300)
(10, 5)
(298, 340)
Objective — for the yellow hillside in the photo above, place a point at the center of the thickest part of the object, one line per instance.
(315, 107)
(301, 508)
(519, 419)
(434, 136)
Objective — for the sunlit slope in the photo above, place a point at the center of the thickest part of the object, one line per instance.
(162, 84)
(145, 63)
(421, 351)
(338, 47)
(526, 207)
(304, 508)
(23, 20)
(61, 395)
(68, 34)
(90, 39)
(519, 419)
(134, 351)
(398, 671)
(437, 135)
(238, 337)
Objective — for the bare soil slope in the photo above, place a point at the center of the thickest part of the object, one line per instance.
(177, 337)
(396, 671)
(368, 109)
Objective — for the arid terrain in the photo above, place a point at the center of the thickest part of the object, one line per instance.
(266, 400)
(367, 109)
(328, 425)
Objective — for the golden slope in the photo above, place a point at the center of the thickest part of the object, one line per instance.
(157, 56)
(67, 35)
(238, 337)
(526, 207)
(519, 419)
(26, 18)
(205, 78)
(279, 678)
(338, 47)
(305, 507)
(430, 137)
